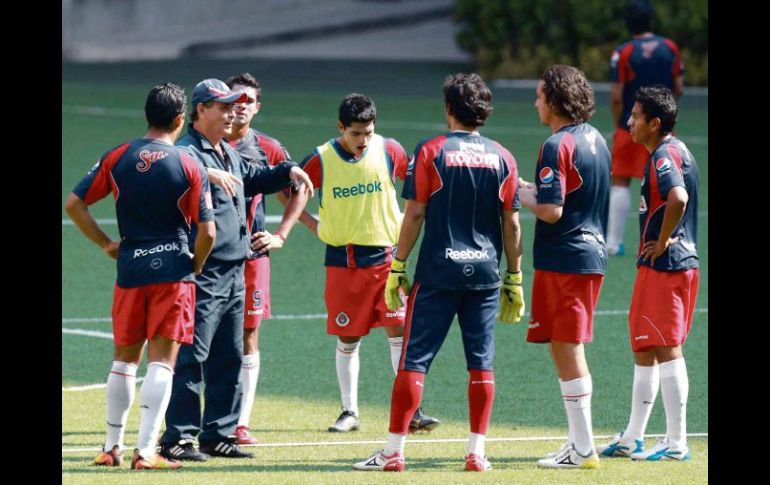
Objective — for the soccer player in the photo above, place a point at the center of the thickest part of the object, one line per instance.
(458, 265)
(359, 222)
(644, 60)
(257, 148)
(570, 199)
(159, 192)
(215, 357)
(666, 286)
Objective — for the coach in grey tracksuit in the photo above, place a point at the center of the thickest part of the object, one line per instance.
(215, 356)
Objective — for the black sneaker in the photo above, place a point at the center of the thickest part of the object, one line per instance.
(422, 422)
(227, 448)
(182, 450)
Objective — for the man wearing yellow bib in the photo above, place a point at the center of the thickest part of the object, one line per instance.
(359, 222)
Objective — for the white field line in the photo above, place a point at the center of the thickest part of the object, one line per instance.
(312, 316)
(384, 124)
(309, 316)
(275, 218)
(411, 441)
(92, 386)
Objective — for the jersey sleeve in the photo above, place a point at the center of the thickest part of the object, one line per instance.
(397, 158)
(667, 164)
(551, 175)
(197, 206)
(97, 183)
(422, 177)
(509, 193)
(274, 150)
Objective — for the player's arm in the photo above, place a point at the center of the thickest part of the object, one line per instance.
(304, 217)
(204, 242)
(81, 216)
(294, 207)
(676, 203)
(616, 102)
(549, 213)
(512, 240)
(414, 215)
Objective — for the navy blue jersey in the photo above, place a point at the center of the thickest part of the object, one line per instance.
(671, 165)
(573, 171)
(159, 193)
(233, 240)
(262, 150)
(643, 62)
(466, 180)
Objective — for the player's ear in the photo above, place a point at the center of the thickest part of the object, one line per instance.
(178, 121)
(340, 126)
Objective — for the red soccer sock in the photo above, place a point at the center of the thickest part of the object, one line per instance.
(481, 396)
(406, 397)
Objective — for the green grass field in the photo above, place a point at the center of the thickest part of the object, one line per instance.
(297, 397)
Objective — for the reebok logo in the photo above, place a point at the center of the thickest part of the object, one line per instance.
(641, 337)
(485, 381)
(160, 248)
(465, 254)
(358, 189)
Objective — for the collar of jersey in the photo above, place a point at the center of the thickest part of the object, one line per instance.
(346, 155)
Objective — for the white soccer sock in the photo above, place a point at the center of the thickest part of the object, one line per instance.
(475, 444)
(646, 384)
(153, 401)
(674, 387)
(249, 376)
(620, 201)
(347, 374)
(577, 402)
(396, 343)
(395, 444)
(121, 387)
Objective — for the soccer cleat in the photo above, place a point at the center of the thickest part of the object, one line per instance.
(227, 448)
(157, 462)
(476, 463)
(109, 458)
(421, 422)
(379, 461)
(619, 250)
(564, 446)
(182, 450)
(243, 437)
(348, 421)
(570, 458)
(663, 450)
(618, 447)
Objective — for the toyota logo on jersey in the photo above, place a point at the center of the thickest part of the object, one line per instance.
(663, 164)
(546, 175)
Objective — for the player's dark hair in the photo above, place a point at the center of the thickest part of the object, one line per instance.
(357, 107)
(245, 79)
(164, 103)
(568, 93)
(658, 101)
(639, 15)
(468, 98)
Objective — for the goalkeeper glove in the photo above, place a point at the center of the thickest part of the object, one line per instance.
(396, 279)
(511, 299)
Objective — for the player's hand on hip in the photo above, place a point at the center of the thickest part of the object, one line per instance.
(301, 181)
(264, 241)
(511, 299)
(397, 279)
(111, 249)
(224, 179)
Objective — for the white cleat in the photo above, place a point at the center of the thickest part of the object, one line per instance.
(379, 461)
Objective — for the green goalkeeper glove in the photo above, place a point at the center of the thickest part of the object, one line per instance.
(511, 299)
(396, 279)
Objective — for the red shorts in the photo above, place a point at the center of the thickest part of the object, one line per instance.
(257, 304)
(166, 309)
(563, 307)
(628, 158)
(355, 301)
(662, 307)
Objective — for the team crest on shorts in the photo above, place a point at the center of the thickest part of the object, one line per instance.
(342, 319)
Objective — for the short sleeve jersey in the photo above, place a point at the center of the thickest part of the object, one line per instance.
(642, 62)
(573, 171)
(467, 181)
(263, 150)
(671, 165)
(159, 193)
